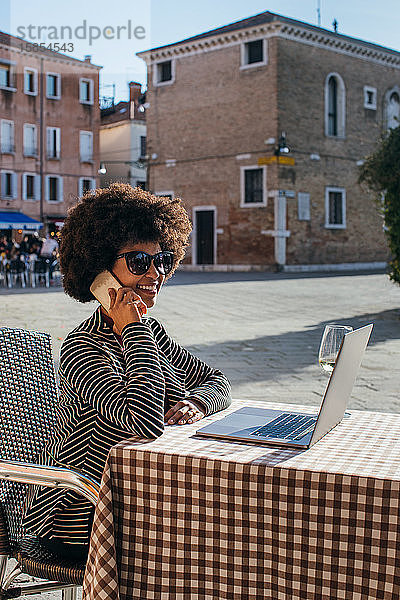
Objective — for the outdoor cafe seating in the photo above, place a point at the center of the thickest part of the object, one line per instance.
(196, 518)
(28, 271)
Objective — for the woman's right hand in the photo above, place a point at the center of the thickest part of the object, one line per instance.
(125, 307)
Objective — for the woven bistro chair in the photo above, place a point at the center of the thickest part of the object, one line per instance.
(28, 398)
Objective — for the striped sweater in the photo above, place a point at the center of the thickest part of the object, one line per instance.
(110, 392)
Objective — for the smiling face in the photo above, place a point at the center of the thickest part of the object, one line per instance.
(147, 285)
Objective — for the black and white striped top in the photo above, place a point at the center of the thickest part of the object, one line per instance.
(109, 393)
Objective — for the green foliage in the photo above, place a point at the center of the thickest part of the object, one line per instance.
(381, 172)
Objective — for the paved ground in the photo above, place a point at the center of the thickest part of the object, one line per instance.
(263, 330)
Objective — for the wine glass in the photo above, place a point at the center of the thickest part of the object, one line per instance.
(330, 345)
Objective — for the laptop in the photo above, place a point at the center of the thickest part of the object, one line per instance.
(291, 428)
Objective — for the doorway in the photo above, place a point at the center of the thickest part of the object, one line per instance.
(204, 241)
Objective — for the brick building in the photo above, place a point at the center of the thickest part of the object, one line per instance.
(260, 127)
(49, 129)
(123, 140)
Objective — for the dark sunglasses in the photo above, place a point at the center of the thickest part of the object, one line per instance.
(139, 262)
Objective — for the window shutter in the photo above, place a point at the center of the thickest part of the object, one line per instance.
(58, 142)
(12, 135)
(60, 189)
(90, 146)
(3, 135)
(24, 185)
(3, 185)
(14, 183)
(80, 186)
(46, 188)
(37, 187)
(48, 141)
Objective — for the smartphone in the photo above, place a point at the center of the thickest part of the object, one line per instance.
(101, 285)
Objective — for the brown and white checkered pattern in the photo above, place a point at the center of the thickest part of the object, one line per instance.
(184, 518)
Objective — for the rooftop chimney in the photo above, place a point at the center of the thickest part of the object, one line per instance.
(135, 91)
(88, 58)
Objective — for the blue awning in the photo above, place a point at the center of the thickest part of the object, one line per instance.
(17, 220)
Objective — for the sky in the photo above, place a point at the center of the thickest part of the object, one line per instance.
(112, 37)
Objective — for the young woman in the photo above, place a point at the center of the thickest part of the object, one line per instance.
(120, 374)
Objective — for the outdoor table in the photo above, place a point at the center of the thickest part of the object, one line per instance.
(190, 518)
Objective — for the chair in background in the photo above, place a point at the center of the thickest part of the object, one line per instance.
(16, 271)
(41, 272)
(28, 392)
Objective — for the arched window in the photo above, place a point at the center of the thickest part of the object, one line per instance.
(392, 108)
(335, 102)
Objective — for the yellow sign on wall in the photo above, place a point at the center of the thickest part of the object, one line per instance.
(281, 160)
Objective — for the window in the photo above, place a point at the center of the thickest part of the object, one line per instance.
(164, 72)
(168, 194)
(54, 188)
(254, 53)
(85, 185)
(7, 136)
(86, 91)
(392, 108)
(370, 97)
(30, 81)
(53, 142)
(334, 106)
(7, 75)
(335, 208)
(30, 187)
(142, 146)
(253, 186)
(53, 86)
(30, 143)
(8, 185)
(86, 146)
(142, 185)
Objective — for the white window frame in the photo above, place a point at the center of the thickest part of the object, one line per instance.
(369, 89)
(82, 157)
(58, 143)
(394, 89)
(58, 96)
(195, 210)
(35, 81)
(11, 148)
(36, 187)
(91, 90)
(35, 148)
(60, 188)
(244, 204)
(341, 107)
(14, 184)
(156, 82)
(165, 193)
(244, 54)
(80, 184)
(11, 66)
(335, 225)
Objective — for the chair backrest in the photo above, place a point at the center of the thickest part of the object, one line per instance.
(17, 266)
(28, 399)
(41, 265)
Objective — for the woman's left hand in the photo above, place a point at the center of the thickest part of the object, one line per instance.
(186, 411)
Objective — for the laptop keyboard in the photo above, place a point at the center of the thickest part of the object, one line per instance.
(287, 426)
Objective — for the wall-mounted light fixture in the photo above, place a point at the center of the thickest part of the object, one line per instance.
(282, 147)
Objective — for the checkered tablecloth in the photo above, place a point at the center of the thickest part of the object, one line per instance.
(188, 518)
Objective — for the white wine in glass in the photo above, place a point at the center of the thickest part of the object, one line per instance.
(330, 345)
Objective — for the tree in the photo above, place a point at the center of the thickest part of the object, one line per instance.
(381, 172)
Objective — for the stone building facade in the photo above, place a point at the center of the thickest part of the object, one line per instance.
(260, 127)
(49, 130)
(123, 140)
